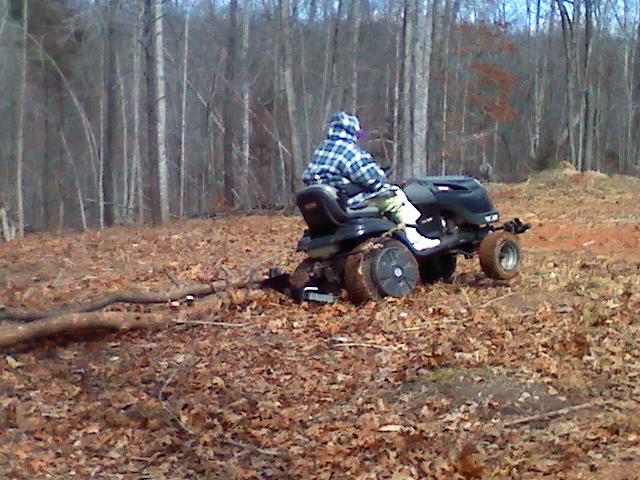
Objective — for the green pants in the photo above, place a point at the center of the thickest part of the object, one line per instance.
(398, 206)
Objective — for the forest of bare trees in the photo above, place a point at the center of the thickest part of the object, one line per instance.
(117, 111)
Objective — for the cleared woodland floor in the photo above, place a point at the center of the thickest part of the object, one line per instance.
(437, 385)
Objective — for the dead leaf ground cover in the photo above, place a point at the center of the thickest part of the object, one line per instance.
(430, 386)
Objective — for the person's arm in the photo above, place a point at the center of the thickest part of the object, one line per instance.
(364, 171)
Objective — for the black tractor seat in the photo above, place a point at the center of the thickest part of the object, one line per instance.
(321, 209)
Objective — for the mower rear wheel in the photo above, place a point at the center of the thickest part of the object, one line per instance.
(440, 268)
(500, 255)
(390, 270)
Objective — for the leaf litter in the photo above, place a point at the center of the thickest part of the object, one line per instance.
(468, 379)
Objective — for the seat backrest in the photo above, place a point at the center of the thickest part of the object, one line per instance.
(320, 208)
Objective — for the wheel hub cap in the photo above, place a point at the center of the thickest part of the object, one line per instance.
(508, 256)
(394, 271)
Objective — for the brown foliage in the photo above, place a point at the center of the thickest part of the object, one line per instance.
(261, 387)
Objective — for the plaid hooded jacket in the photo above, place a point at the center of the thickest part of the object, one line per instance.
(338, 161)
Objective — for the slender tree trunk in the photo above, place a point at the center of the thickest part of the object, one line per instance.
(48, 174)
(567, 35)
(351, 98)
(421, 80)
(587, 137)
(331, 75)
(396, 161)
(636, 99)
(21, 108)
(290, 93)
(463, 126)
(230, 108)
(628, 86)
(108, 177)
(127, 168)
(243, 171)
(405, 123)
(538, 84)
(136, 176)
(162, 115)
(444, 152)
(83, 216)
(152, 185)
(101, 139)
(183, 119)
(281, 190)
(306, 99)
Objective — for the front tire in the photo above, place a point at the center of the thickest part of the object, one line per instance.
(500, 255)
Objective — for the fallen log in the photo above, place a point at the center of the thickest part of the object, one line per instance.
(14, 334)
(279, 282)
(125, 297)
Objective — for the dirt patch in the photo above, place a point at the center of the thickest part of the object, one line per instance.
(621, 240)
(493, 395)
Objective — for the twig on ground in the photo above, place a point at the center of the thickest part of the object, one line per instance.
(171, 277)
(206, 322)
(171, 413)
(554, 413)
(497, 299)
(227, 273)
(367, 345)
(273, 453)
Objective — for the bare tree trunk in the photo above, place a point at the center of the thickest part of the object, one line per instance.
(463, 126)
(183, 119)
(127, 168)
(587, 136)
(420, 80)
(306, 99)
(396, 162)
(279, 170)
(21, 107)
(83, 216)
(444, 152)
(628, 86)
(153, 108)
(405, 123)
(136, 175)
(152, 186)
(230, 107)
(351, 98)
(108, 177)
(162, 114)
(567, 35)
(243, 171)
(101, 139)
(330, 77)
(538, 85)
(290, 93)
(636, 99)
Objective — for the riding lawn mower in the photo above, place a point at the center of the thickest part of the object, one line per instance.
(357, 248)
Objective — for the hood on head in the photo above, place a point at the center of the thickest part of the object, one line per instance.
(342, 125)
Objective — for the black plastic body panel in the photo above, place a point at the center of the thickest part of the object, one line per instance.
(359, 229)
(462, 196)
